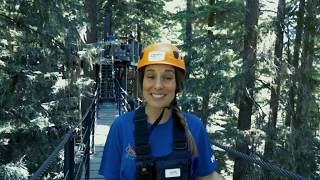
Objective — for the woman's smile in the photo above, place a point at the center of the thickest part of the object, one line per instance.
(157, 96)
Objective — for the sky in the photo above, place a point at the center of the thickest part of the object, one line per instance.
(175, 5)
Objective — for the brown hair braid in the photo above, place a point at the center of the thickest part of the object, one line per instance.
(192, 146)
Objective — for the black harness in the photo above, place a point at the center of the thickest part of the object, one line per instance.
(176, 165)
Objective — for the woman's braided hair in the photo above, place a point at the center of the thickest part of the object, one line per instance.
(175, 108)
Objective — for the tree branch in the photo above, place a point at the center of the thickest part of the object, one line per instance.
(264, 84)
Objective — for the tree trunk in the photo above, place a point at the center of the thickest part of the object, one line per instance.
(139, 33)
(290, 112)
(241, 167)
(205, 107)
(206, 94)
(108, 19)
(188, 37)
(304, 160)
(92, 35)
(88, 70)
(275, 88)
(288, 107)
(211, 19)
(295, 63)
(296, 56)
(91, 10)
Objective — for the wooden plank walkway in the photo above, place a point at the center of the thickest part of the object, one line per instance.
(107, 112)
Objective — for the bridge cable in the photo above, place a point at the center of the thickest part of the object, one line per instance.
(273, 168)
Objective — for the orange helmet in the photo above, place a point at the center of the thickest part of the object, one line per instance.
(162, 54)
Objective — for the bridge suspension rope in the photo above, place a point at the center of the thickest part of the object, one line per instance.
(273, 168)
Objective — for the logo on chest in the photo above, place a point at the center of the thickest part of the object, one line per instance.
(130, 153)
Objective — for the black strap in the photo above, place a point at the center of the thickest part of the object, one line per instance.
(143, 149)
(141, 134)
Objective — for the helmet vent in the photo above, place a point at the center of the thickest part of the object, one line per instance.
(176, 54)
(141, 55)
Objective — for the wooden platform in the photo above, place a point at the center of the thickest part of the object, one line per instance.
(107, 112)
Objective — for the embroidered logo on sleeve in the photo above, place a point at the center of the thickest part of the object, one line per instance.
(212, 158)
(156, 56)
(130, 153)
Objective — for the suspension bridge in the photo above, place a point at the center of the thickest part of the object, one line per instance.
(107, 112)
(115, 94)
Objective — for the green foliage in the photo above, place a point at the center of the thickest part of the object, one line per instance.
(150, 15)
(213, 63)
(39, 91)
(315, 77)
(216, 74)
(17, 171)
(41, 45)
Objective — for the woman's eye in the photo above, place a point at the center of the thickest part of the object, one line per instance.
(168, 78)
(150, 77)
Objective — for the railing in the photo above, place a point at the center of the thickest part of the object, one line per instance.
(125, 102)
(274, 169)
(81, 131)
(122, 103)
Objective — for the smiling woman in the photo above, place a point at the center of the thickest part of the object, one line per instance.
(158, 141)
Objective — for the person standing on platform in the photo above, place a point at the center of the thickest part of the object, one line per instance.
(158, 141)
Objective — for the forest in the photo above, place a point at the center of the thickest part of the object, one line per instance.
(253, 75)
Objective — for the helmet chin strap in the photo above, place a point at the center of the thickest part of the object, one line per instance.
(173, 102)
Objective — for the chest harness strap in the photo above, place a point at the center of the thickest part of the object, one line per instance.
(149, 167)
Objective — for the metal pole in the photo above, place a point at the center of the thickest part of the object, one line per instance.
(126, 78)
(93, 125)
(69, 158)
(87, 151)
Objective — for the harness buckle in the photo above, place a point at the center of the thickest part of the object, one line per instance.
(144, 170)
(180, 146)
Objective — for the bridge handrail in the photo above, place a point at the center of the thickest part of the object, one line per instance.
(51, 157)
(94, 100)
(69, 137)
(123, 104)
(273, 168)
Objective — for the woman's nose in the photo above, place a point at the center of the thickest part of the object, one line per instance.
(158, 83)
